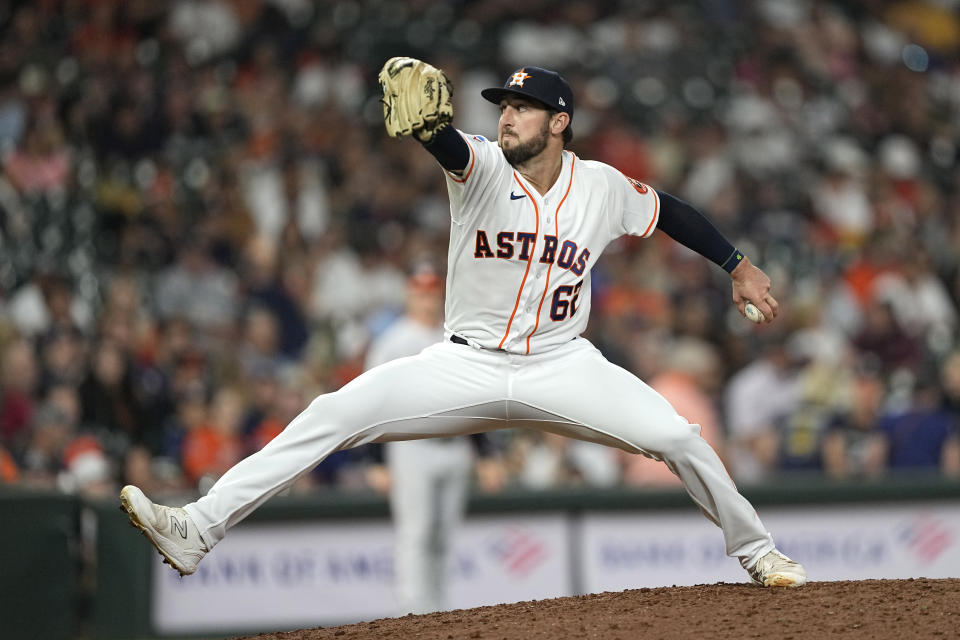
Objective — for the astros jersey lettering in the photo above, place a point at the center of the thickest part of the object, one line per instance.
(519, 262)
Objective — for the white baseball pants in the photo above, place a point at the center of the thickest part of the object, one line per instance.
(452, 389)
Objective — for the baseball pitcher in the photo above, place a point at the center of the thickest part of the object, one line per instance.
(528, 220)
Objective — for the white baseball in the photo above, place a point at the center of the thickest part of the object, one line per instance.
(753, 314)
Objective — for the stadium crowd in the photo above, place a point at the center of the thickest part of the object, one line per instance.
(203, 224)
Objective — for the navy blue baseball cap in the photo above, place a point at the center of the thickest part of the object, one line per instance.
(542, 85)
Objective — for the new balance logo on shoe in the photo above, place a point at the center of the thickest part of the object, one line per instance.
(179, 527)
(170, 530)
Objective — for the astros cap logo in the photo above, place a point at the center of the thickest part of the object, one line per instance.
(518, 78)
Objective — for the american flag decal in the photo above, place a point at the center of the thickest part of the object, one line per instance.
(518, 551)
(926, 536)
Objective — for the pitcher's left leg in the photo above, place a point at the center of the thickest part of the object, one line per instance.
(595, 400)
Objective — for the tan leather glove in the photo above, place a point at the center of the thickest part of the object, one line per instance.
(417, 98)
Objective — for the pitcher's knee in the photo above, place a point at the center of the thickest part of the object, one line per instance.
(679, 440)
(329, 416)
(336, 409)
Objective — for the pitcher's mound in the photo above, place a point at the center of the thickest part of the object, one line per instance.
(876, 609)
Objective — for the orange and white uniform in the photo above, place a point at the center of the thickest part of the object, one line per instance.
(517, 299)
(536, 250)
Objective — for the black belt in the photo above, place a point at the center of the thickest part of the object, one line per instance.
(455, 338)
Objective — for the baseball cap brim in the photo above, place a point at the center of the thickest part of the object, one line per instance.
(496, 94)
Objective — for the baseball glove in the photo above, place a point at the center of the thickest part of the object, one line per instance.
(417, 98)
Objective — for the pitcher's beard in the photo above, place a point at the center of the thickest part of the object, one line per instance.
(520, 153)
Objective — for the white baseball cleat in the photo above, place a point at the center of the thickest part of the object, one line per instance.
(777, 570)
(169, 529)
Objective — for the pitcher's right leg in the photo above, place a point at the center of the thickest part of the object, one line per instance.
(447, 389)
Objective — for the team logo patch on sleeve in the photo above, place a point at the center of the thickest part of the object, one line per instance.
(639, 186)
(479, 138)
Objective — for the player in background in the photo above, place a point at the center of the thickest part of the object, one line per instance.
(529, 220)
(429, 480)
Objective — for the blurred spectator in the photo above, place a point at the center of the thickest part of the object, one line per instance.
(213, 446)
(757, 397)
(538, 460)
(840, 198)
(42, 164)
(854, 446)
(860, 271)
(950, 384)
(920, 300)
(820, 392)
(281, 398)
(9, 472)
(65, 398)
(63, 352)
(950, 380)
(205, 28)
(688, 381)
(289, 195)
(60, 455)
(195, 288)
(712, 171)
(884, 337)
(544, 460)
(925, 437)
(267, 285)
(47, 303)
(13, 116)
(259, 349)
(137, 467)
(123, 316)
(350, 284)
(87, 469)
(262, 392)
(18, 380)
(189, 413)
(108, 399)
(50, 433)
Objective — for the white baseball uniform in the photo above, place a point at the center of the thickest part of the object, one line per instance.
(518, 293)
(429, 485)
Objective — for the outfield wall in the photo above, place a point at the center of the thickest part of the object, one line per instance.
(328, 559)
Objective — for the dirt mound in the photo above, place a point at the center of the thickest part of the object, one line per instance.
(875, 609)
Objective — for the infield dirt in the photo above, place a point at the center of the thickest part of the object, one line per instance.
(876, 609)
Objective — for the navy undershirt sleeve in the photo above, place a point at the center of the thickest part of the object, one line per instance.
(449, 148)
(682, 222)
